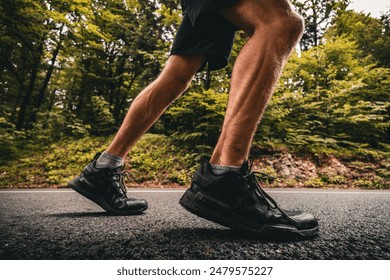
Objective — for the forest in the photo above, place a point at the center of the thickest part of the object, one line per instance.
(69, 70)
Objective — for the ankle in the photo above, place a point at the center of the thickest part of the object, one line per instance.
(220, 169)
(107, 160)
(223, 161)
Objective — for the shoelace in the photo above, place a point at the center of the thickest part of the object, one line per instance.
(253, 179)
(122, 174)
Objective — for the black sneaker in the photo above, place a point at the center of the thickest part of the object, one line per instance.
(236, 200)
(106, 188)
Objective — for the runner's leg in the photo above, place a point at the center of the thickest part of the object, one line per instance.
(153, 100)
(274, 29)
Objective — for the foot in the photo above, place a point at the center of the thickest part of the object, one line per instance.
(106, 188)
(236, 200)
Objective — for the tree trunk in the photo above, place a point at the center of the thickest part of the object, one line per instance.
(42, 90)
(116, 104)
(208, 79)
(17, 101)
(83, 83)
(316, 27)
(26, 100)
(51, 102)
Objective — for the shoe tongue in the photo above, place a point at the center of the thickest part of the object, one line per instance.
(244, 168)
(117, 169)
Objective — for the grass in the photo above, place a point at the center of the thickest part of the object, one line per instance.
(154, 160)
(157, 162)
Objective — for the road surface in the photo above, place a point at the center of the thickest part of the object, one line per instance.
(60, 224)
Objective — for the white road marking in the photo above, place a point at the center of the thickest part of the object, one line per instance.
(182, 190)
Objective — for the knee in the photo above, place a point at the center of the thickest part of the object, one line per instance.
(293, 25)
(179, 71)
(179, 81)
(173, 83)
(288, 29)
(283, 29)
(170, 86)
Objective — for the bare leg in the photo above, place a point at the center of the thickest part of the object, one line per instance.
(103, 183)
(274, 29)
(153, 100)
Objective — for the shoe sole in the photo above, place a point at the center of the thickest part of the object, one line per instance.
(85, 190)
(216, 211)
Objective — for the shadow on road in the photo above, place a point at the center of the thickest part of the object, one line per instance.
(86, 214)
(220, 235)
(79, 214)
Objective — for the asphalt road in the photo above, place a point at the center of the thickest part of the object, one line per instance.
(60, 224)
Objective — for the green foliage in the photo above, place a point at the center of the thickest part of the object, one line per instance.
(69, 69)
(56, 125)
(155, 161)
(331, 101)
(370, 34)
(195, 119)
(376, 183)
(314, 183)
(102, 122)
(318, 14)
(8, 145)
(333, 180)
(156, 158)
(55, 164)
(61, 54)
(62, 161)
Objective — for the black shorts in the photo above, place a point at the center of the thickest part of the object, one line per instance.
(204, 31)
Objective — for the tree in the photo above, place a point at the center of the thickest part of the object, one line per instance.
(372, 35)
(22, 46)
(317, 14)
(330, 98)
(195, 119)
(63, 53)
